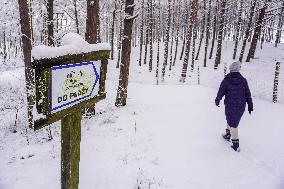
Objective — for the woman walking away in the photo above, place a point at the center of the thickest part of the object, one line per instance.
(236, 91)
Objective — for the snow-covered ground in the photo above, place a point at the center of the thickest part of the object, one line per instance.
(168, 136)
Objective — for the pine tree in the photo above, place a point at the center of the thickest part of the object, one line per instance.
(238, 28)
(126, 52)
(247, 30)
(214, 30)
(50, 27)
(151, 35)
(207, 33)
(193, 17)
(141, 33)
(257, 31)
(166, 51)
(202, 29)
(280, 25)
(220, 34)
(27, 47)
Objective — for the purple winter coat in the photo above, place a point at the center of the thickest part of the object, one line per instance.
(236, 91)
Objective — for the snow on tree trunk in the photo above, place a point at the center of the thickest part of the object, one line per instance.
(126, 52)
(27, 47)
(207, 34)
(92, 34)
(247, 30)
(202, 29)
(220, 34)
(147, 32)
(76, 16)
(50, 24)
(141, 33)
(112, 31)
(238, 28)
(257, 32)
(280, 25)
(159, 37)
(93, 22)
(193, 17)
(177, 34)
(214, 30)
(166, 51)
(151, 34)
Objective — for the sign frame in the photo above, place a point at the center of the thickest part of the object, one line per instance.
(43, 71)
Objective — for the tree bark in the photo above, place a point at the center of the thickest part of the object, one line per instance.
(76, 16)
(50, 23)
(220, 34)
(112, 31)
(126, 52)
(207, 34)
(27, 47)
(166, 51)
(141, 34)
(247, 30)
(214, 30)
(202, 30)
(257, 32)
(193, 17)
(92, 34)
(280, 25)
(238, 28)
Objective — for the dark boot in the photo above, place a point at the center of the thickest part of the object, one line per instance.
(236, 145)
(227, 136)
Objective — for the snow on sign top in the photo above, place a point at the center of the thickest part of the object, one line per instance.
(72, 43)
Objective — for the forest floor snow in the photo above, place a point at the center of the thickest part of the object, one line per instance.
(168, 136)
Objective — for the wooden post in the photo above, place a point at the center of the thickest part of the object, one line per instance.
(276, 81)
(70, 150)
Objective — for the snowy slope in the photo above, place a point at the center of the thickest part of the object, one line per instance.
(167, 137)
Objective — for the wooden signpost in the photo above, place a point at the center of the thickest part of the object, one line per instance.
(65, 86)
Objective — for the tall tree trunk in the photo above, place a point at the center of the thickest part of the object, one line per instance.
(220, 34)
(147, 32)
(120, 35)
(141, 33)
(257, 32)
(159, 38)
(151, 35)
(112, 31)
(238, 28)
(194, 37)
(177, 34)
(214, 30)
(173, 31)
(126, 52)
(207, 34)
(193, 17)
(76, 16)
(50, 23)
(166, 51)
(27, 47)
(280, 25)
(93, 22)
(92, 30)
(247, 30)
(202, 30)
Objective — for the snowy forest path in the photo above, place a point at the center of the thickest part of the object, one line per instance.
(186, 128)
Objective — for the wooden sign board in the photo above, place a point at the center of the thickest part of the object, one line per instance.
(64, 87)
(68, 83)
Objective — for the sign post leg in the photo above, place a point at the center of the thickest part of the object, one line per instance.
(70, 150)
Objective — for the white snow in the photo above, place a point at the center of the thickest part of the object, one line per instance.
(168, 137)
(72, 43)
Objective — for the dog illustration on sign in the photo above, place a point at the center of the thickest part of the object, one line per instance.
(76, 84)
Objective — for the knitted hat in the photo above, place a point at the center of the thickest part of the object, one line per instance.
(235, 66)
